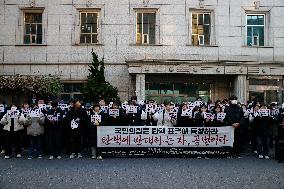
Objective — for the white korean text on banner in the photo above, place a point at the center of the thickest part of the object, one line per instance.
(146, 136)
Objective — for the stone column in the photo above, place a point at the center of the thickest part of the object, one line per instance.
(140, 87)
(240, 88)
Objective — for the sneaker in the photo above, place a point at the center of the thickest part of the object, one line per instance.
(266, 157)
(80, 155)
(58, 157)
(260, 156)
(30, 157)
(39, 156)
(255, 152)
(99, 157)
(19, 156)
(93, 157)
(7, 157)
(51, 157)
(2, 152)
(72, 155)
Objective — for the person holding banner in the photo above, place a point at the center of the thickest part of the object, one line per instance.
(97, 118)
(13, 122)
(235, 118)
(35, 128)
(163, 117)
(54, 123)
(76, 118)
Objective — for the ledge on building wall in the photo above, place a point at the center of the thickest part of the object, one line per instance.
(143, 45)
(201, 45)
(245, 46)
(82, 44)
(26, 45)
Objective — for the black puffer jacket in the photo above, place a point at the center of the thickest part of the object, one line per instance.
(234, 114)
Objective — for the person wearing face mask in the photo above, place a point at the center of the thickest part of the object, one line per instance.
(13, 125)
(163, 117)
(235, 118)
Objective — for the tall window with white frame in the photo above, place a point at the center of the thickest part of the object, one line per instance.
(201, 29)
(33, 28)
(145, 28)
(255, 29)
(89, 27)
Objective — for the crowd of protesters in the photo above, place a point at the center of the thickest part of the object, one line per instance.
(57, 128)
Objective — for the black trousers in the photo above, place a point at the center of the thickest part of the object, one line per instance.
(237, 141)
(75, 140)
(55, 141)
(2, 141)
(10, 138)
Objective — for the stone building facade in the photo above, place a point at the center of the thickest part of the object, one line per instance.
(155, 49)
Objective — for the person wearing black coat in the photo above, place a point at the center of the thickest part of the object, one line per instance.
(263, 130)
(92, 129)
(134, 119)
(54, 123)
(235, 118)
(76, 118)
(216, 122)
(116, 120)
(182, 120)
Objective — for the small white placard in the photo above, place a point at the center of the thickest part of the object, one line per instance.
(96, 118)
(113, 112)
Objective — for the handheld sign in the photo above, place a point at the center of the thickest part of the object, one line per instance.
(160, 108)
(104, 109)
(13, 114)
(96, 118)
(246, 113)
(52, 118)
(198, 103)
(187, 113)
(221, 116)
(110, 104)
(2, 108)
(63, 106)
(42, 106)
(35, 113)
(209, 116)
(124, 106)
(150, 108)
(131, 109)
(173, 115)
(113, 112)
(274, 112)
(264, 112)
